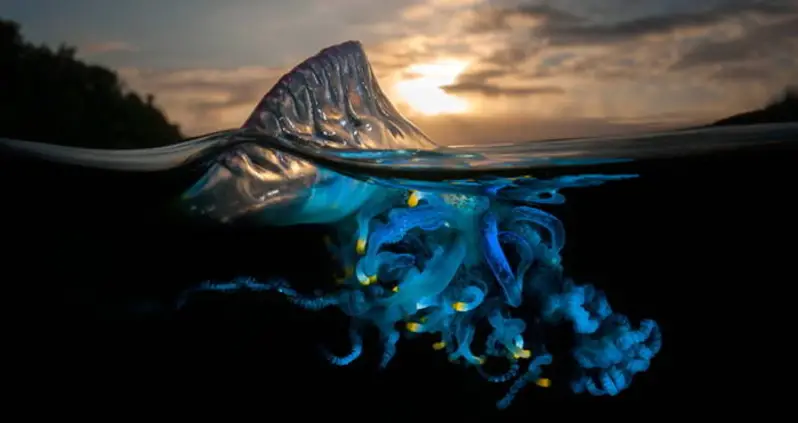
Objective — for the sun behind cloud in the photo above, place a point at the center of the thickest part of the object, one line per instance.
(421, 91)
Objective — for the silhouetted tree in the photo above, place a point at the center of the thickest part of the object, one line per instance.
(782, 109)
(48, 95)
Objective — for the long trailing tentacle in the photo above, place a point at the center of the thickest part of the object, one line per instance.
(357, 349)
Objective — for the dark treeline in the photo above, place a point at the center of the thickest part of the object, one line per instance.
(783, 109)
(49, 95)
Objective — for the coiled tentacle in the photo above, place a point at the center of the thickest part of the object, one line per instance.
(357, 349)
(449, 265)
(615, 355)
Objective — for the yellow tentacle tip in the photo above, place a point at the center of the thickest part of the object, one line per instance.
(460, 306)
(360, 247)
(368, 280)
(412, 200)
(480, 360)
(439, 346)
(395, 289)
(413, 327)
(543, 382)
(522, 354)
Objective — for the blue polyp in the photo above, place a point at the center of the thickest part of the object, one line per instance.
(401, 221)
(464, 336)
(525, 252)
(429, 283)
(389, 340)
(372, 209)
(459, 263)
(507, 334)
(387, 265)
(552, 225)
(494, 255)
(470, 297)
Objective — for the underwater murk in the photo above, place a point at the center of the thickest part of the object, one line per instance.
(449, 242)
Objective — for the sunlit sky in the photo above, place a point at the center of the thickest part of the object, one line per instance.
(463, 70)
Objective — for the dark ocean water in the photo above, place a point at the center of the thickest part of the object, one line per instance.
(698, 243)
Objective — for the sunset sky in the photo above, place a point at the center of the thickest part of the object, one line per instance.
(463, 70)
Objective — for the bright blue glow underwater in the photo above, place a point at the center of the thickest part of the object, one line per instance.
(440, 263)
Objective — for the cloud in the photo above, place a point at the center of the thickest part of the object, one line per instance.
(777, 41)
(540, 69)
(462, 130)
(533, 29)
(208, 99)
(204, 100)
(579, 27)
(107, 47)
(492, 90)
(622, 60)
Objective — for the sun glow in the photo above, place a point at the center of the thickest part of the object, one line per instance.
(422, 91)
